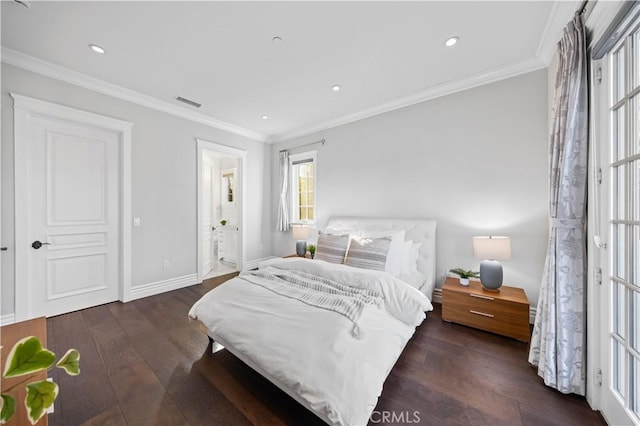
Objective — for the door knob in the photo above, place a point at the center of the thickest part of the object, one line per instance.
(37, 244)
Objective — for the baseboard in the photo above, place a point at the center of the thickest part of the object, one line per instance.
(7, 319)
(437, 298)
(158, 287)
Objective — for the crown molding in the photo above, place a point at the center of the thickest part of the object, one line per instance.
(48, 69)
(440, 90)
(561, 13)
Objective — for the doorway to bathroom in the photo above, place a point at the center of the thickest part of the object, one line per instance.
(220, 209)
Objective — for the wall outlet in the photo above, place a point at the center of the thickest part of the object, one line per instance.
(137, 221)
(166, 264)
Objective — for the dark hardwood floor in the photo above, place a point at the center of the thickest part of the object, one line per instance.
(144, 363)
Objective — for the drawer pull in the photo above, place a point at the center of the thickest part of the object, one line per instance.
(480, 313)
(480, 296)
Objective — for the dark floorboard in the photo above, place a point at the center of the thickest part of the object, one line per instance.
(144, 363)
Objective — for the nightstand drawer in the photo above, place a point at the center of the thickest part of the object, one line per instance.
(505, 310)
(497, 316)
(498, 312)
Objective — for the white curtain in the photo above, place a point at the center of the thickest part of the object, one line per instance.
(283, 209)
(559, 332)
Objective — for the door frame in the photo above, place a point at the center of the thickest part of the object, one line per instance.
(241, 156)
(26, 108)
(210, 166)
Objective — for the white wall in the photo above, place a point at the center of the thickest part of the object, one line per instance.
(476, 161)
(163, 180)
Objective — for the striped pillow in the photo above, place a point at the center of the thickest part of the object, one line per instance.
(368, 253)
(332, 248)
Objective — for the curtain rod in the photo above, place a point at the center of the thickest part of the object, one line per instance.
(583, 8)
(321, 141)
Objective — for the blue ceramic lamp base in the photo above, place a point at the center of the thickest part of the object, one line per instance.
(301, 248)
(491, 275)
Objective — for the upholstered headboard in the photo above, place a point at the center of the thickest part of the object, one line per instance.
(418, 230)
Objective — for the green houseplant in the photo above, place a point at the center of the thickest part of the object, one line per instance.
(464, 275)
(26, 358)
(312, 250)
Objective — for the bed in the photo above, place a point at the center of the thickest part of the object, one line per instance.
(328, 334)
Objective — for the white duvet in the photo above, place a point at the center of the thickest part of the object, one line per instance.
(310, 352)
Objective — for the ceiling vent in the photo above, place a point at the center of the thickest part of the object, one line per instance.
(23, 3)
(188, 101)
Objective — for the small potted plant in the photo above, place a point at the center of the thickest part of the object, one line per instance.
(312, 250)
(464, 275)
(24, 361)
(223, 222)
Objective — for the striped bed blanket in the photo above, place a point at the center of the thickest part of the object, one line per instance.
(317, 291)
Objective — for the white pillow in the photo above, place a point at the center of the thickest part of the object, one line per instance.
(393, 264)
(409, 259)
(334, 231)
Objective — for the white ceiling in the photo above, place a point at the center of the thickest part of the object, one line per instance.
(221, 54)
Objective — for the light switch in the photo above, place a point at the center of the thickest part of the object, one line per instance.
(136, 221)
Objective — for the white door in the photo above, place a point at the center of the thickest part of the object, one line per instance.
(620, 213)
(72, 204)
(207, 214)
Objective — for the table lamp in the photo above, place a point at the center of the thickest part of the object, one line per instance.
(300, 233)
(491, 250)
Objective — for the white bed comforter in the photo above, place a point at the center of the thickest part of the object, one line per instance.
(311, 352)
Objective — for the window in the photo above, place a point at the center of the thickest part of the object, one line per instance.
(303, 187)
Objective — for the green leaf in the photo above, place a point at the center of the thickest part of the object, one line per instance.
(70, 362)
(26, 357)
(8, 404)
(40, 396)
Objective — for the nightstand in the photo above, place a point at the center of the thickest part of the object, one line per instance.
(505, 312)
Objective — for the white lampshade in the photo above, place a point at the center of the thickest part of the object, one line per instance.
(299, 232)
(493, 248)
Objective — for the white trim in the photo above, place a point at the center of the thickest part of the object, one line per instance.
(433, 92)
(240, 199)
(151, 289)
(48, 69)
(25, 107)
(58, 72)
(561, 13)
(7, 319)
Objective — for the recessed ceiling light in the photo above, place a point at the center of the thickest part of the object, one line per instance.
(451, 41)
(336, 87)
(265, 117)
(276, 40)
(96, 48)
